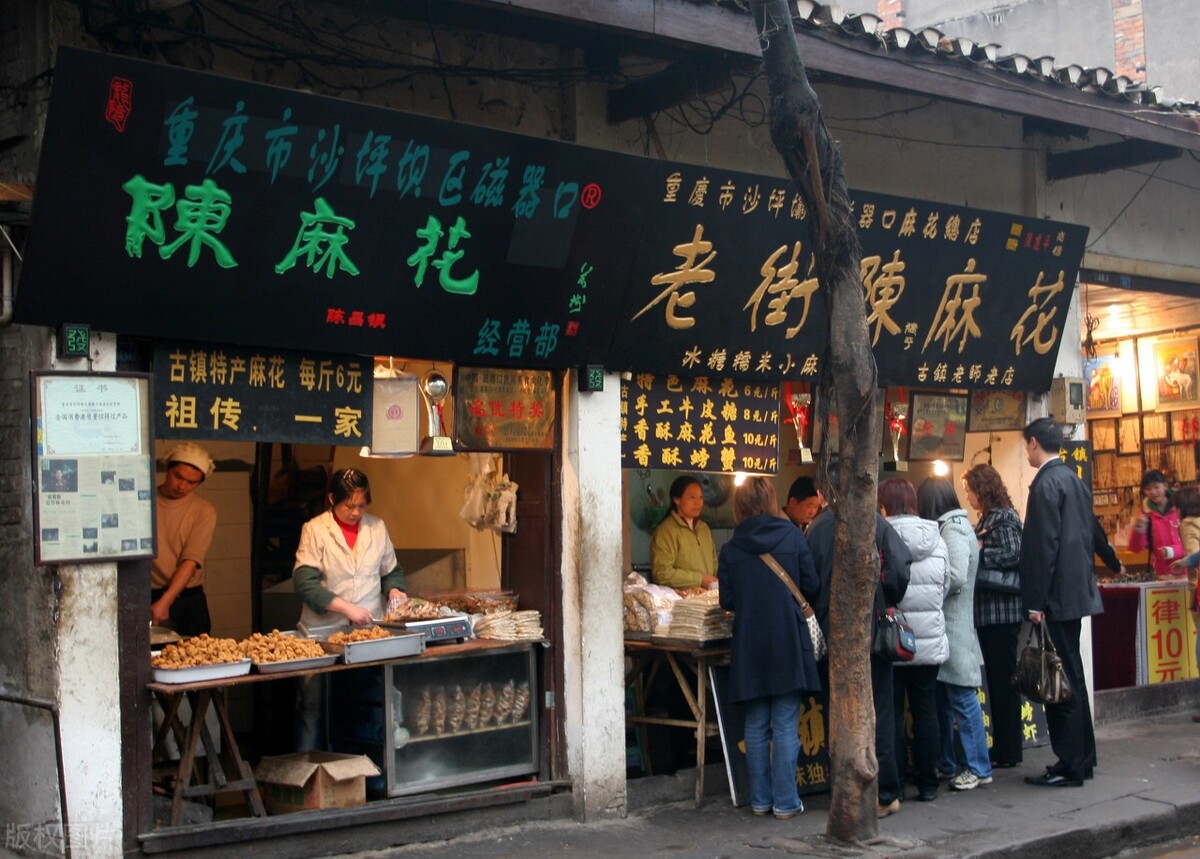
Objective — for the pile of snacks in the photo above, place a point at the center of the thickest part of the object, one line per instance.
(443, 709)
(201, 650)
(277, 647)
(510, 626)
(479, 602)
(700, 618)
(362, 633)
(646, 607)
(413, 608)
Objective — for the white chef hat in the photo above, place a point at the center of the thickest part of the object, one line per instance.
(193, 455)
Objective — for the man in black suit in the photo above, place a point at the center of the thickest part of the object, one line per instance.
(1058, 585)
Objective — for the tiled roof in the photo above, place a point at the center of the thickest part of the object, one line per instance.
(833, 21)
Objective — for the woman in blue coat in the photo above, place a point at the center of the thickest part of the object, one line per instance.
(772, 662)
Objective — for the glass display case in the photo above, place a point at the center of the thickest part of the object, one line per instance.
(460, 715)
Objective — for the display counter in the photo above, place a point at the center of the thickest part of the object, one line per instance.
(422, 749)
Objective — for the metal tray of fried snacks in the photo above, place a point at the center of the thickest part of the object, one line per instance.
(197, 673)
(393, 647)
(282, 665)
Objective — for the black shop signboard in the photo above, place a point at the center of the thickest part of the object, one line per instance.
(235, 393)
(225, 211)
(699, 423)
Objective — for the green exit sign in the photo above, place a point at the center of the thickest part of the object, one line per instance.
(74, 340)
(591, 377)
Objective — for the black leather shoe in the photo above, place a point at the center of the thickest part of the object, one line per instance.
(927, 796)
(1052, 779)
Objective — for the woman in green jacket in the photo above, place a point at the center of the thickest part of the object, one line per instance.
(682, 554)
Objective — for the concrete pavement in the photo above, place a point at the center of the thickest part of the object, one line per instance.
(1146, 790)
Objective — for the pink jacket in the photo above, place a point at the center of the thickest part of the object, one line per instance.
(1162, 533)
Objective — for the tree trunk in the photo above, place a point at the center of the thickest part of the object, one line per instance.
(815, 164)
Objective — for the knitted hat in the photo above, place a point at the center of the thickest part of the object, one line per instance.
(193, 455)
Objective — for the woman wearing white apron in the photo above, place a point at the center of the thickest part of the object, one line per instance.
(345, 564)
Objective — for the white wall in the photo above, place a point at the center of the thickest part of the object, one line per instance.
(591, 570)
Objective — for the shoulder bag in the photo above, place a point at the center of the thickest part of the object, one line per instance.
(1000, 581)
(894, 639)
(1040, 675)
(810, 617)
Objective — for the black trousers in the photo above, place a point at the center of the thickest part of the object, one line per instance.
(890, 785)
(920, 683)
(1070, 723)
(189, 612)
(999, 645)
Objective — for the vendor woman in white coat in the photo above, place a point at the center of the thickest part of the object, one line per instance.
(344, 565)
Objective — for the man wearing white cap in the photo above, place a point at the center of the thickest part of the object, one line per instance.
(185, 528)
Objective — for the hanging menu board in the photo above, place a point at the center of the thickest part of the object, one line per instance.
(93, 467)
(232, 393)
(699, 423)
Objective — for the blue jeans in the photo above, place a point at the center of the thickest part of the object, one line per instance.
(772, 749)
(959, 705)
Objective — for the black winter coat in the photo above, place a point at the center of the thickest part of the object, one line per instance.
(1058, 575)
(772, 653)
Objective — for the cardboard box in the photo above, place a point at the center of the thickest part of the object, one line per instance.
(310, 780)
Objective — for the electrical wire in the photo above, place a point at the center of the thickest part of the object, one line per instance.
(1124, 208)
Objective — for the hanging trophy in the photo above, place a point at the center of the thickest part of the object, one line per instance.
(897, 413)
(434, 389)
(799, 404)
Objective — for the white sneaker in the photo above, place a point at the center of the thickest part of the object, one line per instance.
(965, 780)
(987, 779)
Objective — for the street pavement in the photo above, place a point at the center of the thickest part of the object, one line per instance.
(1146, 790)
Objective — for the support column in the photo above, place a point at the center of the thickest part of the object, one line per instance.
(592, 570)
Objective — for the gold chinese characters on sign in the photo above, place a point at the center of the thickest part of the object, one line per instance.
(699, 424)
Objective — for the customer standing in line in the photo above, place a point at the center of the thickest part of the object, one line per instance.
(773, 661)
(998, 612)
(959, 675)
(922, 605)
(1058, 586)
(894, 563)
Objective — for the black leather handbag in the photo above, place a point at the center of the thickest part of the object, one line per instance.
(1040, 675)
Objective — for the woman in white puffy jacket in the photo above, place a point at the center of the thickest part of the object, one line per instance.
(928, 585)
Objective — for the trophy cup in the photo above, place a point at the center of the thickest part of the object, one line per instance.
(434, 389)
(799, 406)
(896, 415)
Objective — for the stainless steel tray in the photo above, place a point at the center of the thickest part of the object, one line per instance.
(295, 664)
(393, 647)
(217, 671)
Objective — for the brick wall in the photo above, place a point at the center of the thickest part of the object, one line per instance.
(892, 13)
(1129, 37)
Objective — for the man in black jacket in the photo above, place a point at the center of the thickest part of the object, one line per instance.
(1058, 585)
(894, 561)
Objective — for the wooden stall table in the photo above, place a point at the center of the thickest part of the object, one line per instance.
(648, 655)
(191, 732)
